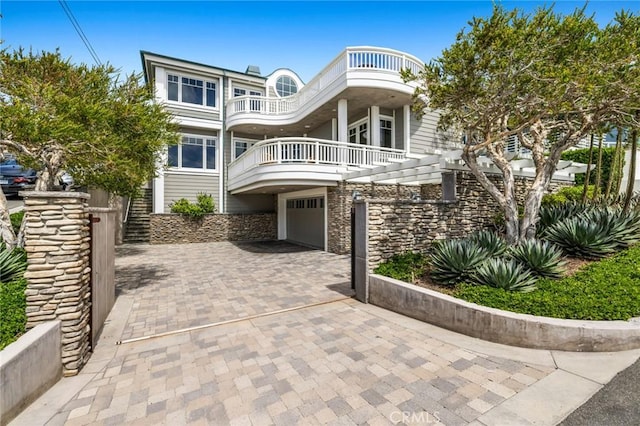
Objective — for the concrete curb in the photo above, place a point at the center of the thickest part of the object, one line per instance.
(500, 326)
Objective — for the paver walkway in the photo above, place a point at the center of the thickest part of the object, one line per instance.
(336, 363)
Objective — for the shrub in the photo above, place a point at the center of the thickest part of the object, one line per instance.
(16, 220)
(13, 305)
(542, 258)
(582, 156)
(567, 194)
(203, 206)
(491, 242)
(454, 261)
(404, 267)
(506, 274)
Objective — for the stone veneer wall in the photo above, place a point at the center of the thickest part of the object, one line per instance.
(402, 225)
(57, 243)
(174, 228)
(339, 201)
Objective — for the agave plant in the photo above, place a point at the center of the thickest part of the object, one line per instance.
(490, 241)
(623, 228)
(507, 274)
(580, 237)
(542, 258)
(453, 261)
(552, 214)
(12, 263)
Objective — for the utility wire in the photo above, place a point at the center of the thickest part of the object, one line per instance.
(76, 25)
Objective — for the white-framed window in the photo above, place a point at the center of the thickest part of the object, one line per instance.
(240, 146)
(254, 104)
(358, 132)
(195, 152)
(386, 133)
(192, 90)
(286, 86)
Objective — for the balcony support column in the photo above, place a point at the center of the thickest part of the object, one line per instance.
(375, 126)
(343, 121)
(406, 121)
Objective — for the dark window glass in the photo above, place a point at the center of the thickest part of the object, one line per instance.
(172, 87)
(211, 94)
(192, 153)
(211, 154)
(172, 160)
(191, 91)
(241, 148)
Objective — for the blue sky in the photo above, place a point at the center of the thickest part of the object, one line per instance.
(303, 36)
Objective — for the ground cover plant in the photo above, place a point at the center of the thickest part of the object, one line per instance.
(13, 302)
(204, 205)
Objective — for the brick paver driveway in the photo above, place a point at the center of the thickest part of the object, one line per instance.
(180, 286)
(340, 362)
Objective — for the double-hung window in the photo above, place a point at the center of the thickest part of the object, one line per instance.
(192, 90)
(195, 152)
(241, 146)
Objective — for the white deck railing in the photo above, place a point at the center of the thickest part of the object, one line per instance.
(312, 151)
(353, 59)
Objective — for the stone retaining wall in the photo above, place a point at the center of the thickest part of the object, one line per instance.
(174, 228)
(58, 270)
(397, 226)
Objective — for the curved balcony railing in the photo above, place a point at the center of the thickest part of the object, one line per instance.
(312, 151)
(353, 59)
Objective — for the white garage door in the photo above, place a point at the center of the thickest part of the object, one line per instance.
(305, 221)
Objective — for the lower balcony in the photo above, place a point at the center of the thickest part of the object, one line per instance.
(284, 164)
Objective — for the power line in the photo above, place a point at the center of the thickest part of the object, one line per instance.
(76, 25)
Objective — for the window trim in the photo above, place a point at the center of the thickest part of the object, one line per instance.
(205, 82)
(249, 142)
(203, 169)
(356, 126)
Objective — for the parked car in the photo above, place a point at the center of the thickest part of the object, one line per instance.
(11, 185)
(10, 167)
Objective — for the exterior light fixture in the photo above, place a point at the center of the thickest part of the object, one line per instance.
(355, 196)
(415, 196)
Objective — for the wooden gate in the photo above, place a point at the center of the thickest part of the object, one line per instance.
(103, 223)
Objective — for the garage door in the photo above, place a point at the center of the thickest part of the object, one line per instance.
(305, 221)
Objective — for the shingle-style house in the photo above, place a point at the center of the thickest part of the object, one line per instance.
(273, 144)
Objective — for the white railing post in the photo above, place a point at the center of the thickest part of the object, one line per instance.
(317, 149)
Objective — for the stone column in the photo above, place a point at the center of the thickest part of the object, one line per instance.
(58, 270)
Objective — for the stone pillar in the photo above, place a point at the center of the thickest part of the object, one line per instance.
(58, 272)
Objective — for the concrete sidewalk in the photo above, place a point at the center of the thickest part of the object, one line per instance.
(286, 345)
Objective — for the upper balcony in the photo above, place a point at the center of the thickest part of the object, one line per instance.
(276, 165)
(377, 70)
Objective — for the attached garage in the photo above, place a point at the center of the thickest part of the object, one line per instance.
(305, 221)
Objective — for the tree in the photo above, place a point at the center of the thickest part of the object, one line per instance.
(547, 79)
(57, 116)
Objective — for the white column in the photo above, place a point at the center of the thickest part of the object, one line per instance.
(334, 129)
(343, 121)
(406, 121)
(374, 136)
(158, 185)
(221, 174)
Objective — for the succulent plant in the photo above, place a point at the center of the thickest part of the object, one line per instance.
(542, 258)
(453, 261)
(507, 274)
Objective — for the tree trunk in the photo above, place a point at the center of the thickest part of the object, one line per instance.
(6, 230)
(632, 171)
(47, 177)
(613, 169)
(587, 176)
(596, 189)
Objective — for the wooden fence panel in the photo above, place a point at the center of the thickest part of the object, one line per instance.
(102, 267)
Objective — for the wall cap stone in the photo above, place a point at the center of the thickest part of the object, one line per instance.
(408, 202)
(101, 210)
(53, 194)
